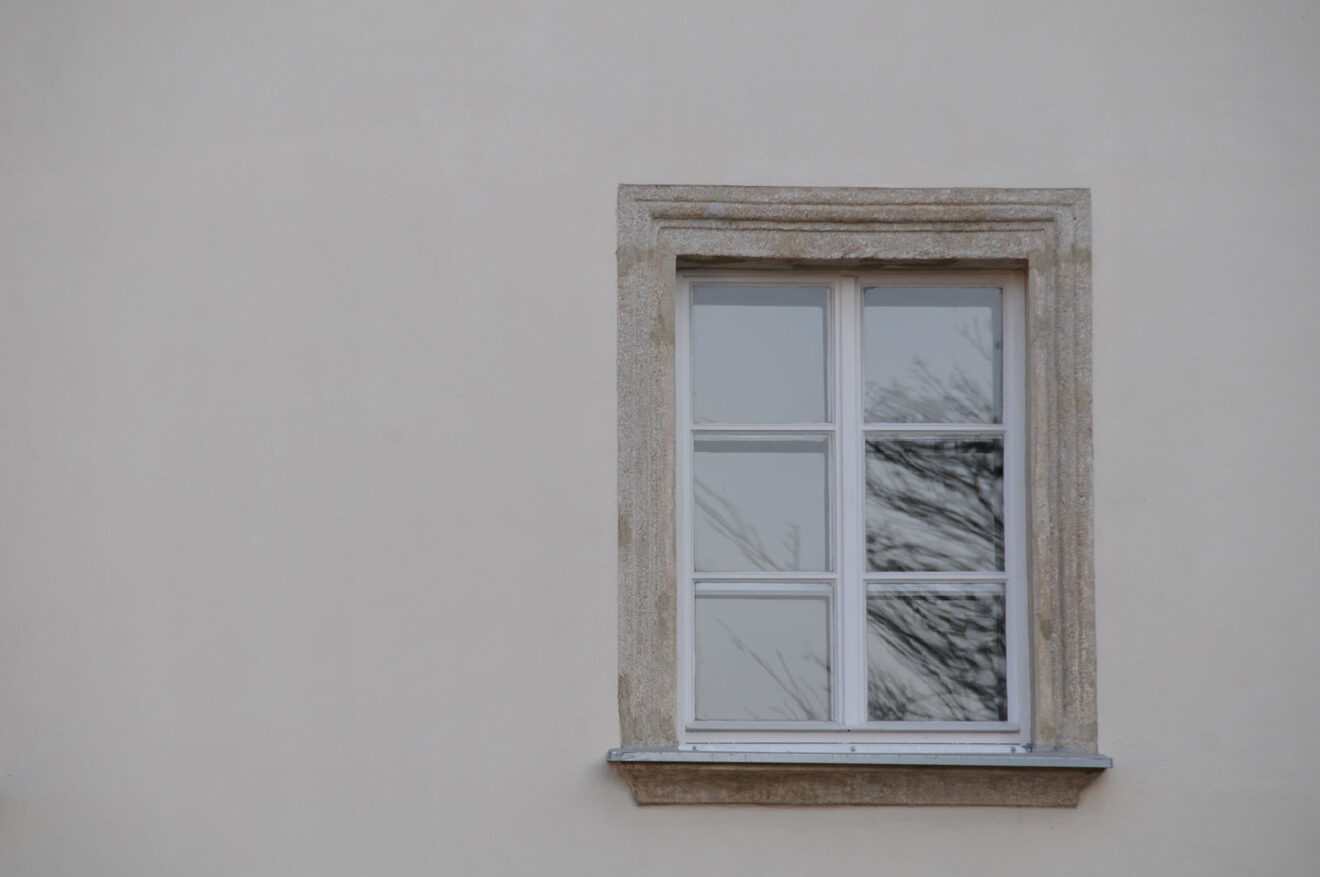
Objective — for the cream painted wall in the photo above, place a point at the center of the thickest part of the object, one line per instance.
(307, 417)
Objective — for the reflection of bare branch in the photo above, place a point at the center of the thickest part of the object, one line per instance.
(801, 702)
(923, 397)
(889, 699)
(793, 545)
(945, 658)
(926, 398)
(726, 519)
(974, 332)
(935, 504)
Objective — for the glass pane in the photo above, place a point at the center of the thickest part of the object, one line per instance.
(761, 503)
(933, 355)
(758, 354)
(934, 504)
(934, 657)
(763, 658)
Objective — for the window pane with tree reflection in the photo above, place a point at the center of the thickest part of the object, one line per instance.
(934, 504)
(933, 355)
(936, 656)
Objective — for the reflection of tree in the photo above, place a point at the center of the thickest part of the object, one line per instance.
(936, 657)
(934, 504)
(924, 397)
(725, 518)
(802, 702)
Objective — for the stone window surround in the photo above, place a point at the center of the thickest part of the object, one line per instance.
(1045, 233)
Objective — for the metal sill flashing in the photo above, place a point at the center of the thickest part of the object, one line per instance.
(1041, 778)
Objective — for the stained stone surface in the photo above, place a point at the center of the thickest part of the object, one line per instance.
(1043, 232)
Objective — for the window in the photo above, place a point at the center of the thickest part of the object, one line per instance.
(854, 496)
(849, 518)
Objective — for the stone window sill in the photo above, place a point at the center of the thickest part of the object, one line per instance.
(1047, 778)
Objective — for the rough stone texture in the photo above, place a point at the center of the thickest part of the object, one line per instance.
(1045, 232)
(863, 784)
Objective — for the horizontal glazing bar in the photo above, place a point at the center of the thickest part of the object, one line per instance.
(767, 589)
(764, 726)
(923, 577)
(935, 588)
(759, 576)
(933, 428)
(741, 428)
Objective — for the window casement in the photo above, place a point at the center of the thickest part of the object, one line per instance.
(854, 496)
(849, 519)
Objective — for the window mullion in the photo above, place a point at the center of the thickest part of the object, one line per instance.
(852, 590)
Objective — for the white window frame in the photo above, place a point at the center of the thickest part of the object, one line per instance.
(846, 588)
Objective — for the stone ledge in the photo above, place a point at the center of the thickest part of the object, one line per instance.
(1035, 779)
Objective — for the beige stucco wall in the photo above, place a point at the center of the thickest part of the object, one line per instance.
(307, 418)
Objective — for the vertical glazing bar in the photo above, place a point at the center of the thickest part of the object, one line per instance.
(851, 589)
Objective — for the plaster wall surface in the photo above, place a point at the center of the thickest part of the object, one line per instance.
(307, 417)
